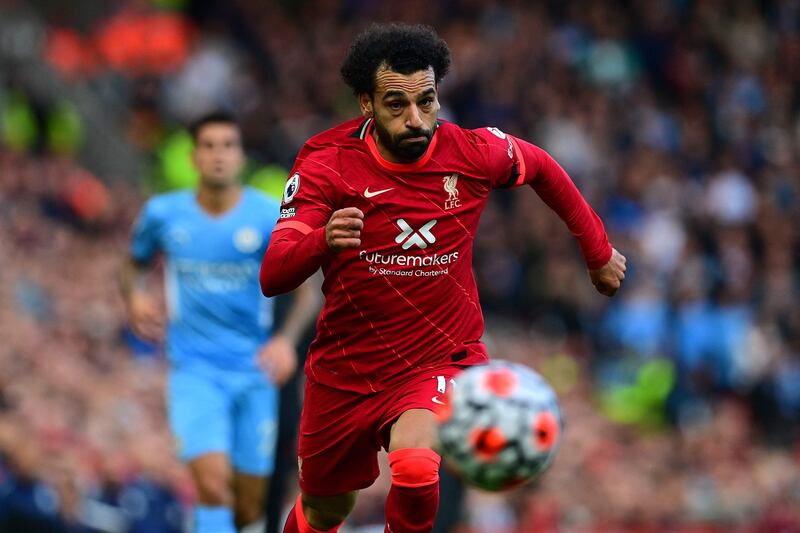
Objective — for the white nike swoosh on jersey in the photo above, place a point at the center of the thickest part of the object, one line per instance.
(370, 194)
(436, 399)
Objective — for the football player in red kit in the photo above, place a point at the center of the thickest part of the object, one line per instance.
(388, 205)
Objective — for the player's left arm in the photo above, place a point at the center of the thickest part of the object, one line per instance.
(514, 162)
(554, 186)
(278, 357)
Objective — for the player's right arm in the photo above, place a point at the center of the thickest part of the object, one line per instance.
(296, 251)
(144, 313)
(313, 227)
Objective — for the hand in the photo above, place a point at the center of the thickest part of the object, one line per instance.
(608, 278)
(344, 229)
(278, 359)
(146, 317)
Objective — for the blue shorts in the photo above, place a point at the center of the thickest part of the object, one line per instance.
(216, 410)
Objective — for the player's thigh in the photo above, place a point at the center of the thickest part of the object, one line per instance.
(199, 414)
(414, 428)
(255, 428)
(249, 496)
(409, 420)
(212, 476)
(338, 444)
(250, 488)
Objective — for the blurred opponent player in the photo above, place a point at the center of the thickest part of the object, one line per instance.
(222, 406)
(388, 205)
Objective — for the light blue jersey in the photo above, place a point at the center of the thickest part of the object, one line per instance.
(218, 400)
(217, 314)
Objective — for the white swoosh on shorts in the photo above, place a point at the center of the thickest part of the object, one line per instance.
(370, 194)
(436, 399)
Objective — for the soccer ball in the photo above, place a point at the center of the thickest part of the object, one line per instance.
(500, 425)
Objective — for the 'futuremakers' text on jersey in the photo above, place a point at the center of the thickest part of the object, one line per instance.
(419, 264)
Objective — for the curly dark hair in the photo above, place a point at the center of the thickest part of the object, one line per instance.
(404, 48)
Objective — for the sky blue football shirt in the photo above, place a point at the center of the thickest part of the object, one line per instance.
(216, 311)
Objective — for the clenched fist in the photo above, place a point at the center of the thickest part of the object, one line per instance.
(608, 278)
(344, 229)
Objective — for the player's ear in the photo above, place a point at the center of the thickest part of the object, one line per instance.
(365, 102)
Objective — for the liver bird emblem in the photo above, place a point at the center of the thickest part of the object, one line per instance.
(450, 184)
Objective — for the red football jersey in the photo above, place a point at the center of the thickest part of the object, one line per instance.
(406, 299)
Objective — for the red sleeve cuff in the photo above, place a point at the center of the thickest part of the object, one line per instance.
(302, 227)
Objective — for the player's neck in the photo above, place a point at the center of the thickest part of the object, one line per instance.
(218, 200)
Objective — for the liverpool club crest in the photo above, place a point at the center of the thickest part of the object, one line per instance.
(450, 187)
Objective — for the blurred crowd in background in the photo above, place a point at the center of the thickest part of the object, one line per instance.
(679, 121)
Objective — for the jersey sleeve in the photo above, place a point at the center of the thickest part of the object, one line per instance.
(298, 247)
(146, 234)
(511, 162)
(309, 196)
(504, 156)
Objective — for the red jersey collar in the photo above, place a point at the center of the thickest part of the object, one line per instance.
(398, 167)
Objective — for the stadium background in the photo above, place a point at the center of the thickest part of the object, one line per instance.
(679, 120)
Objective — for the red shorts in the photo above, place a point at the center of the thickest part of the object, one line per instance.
(341, 432)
